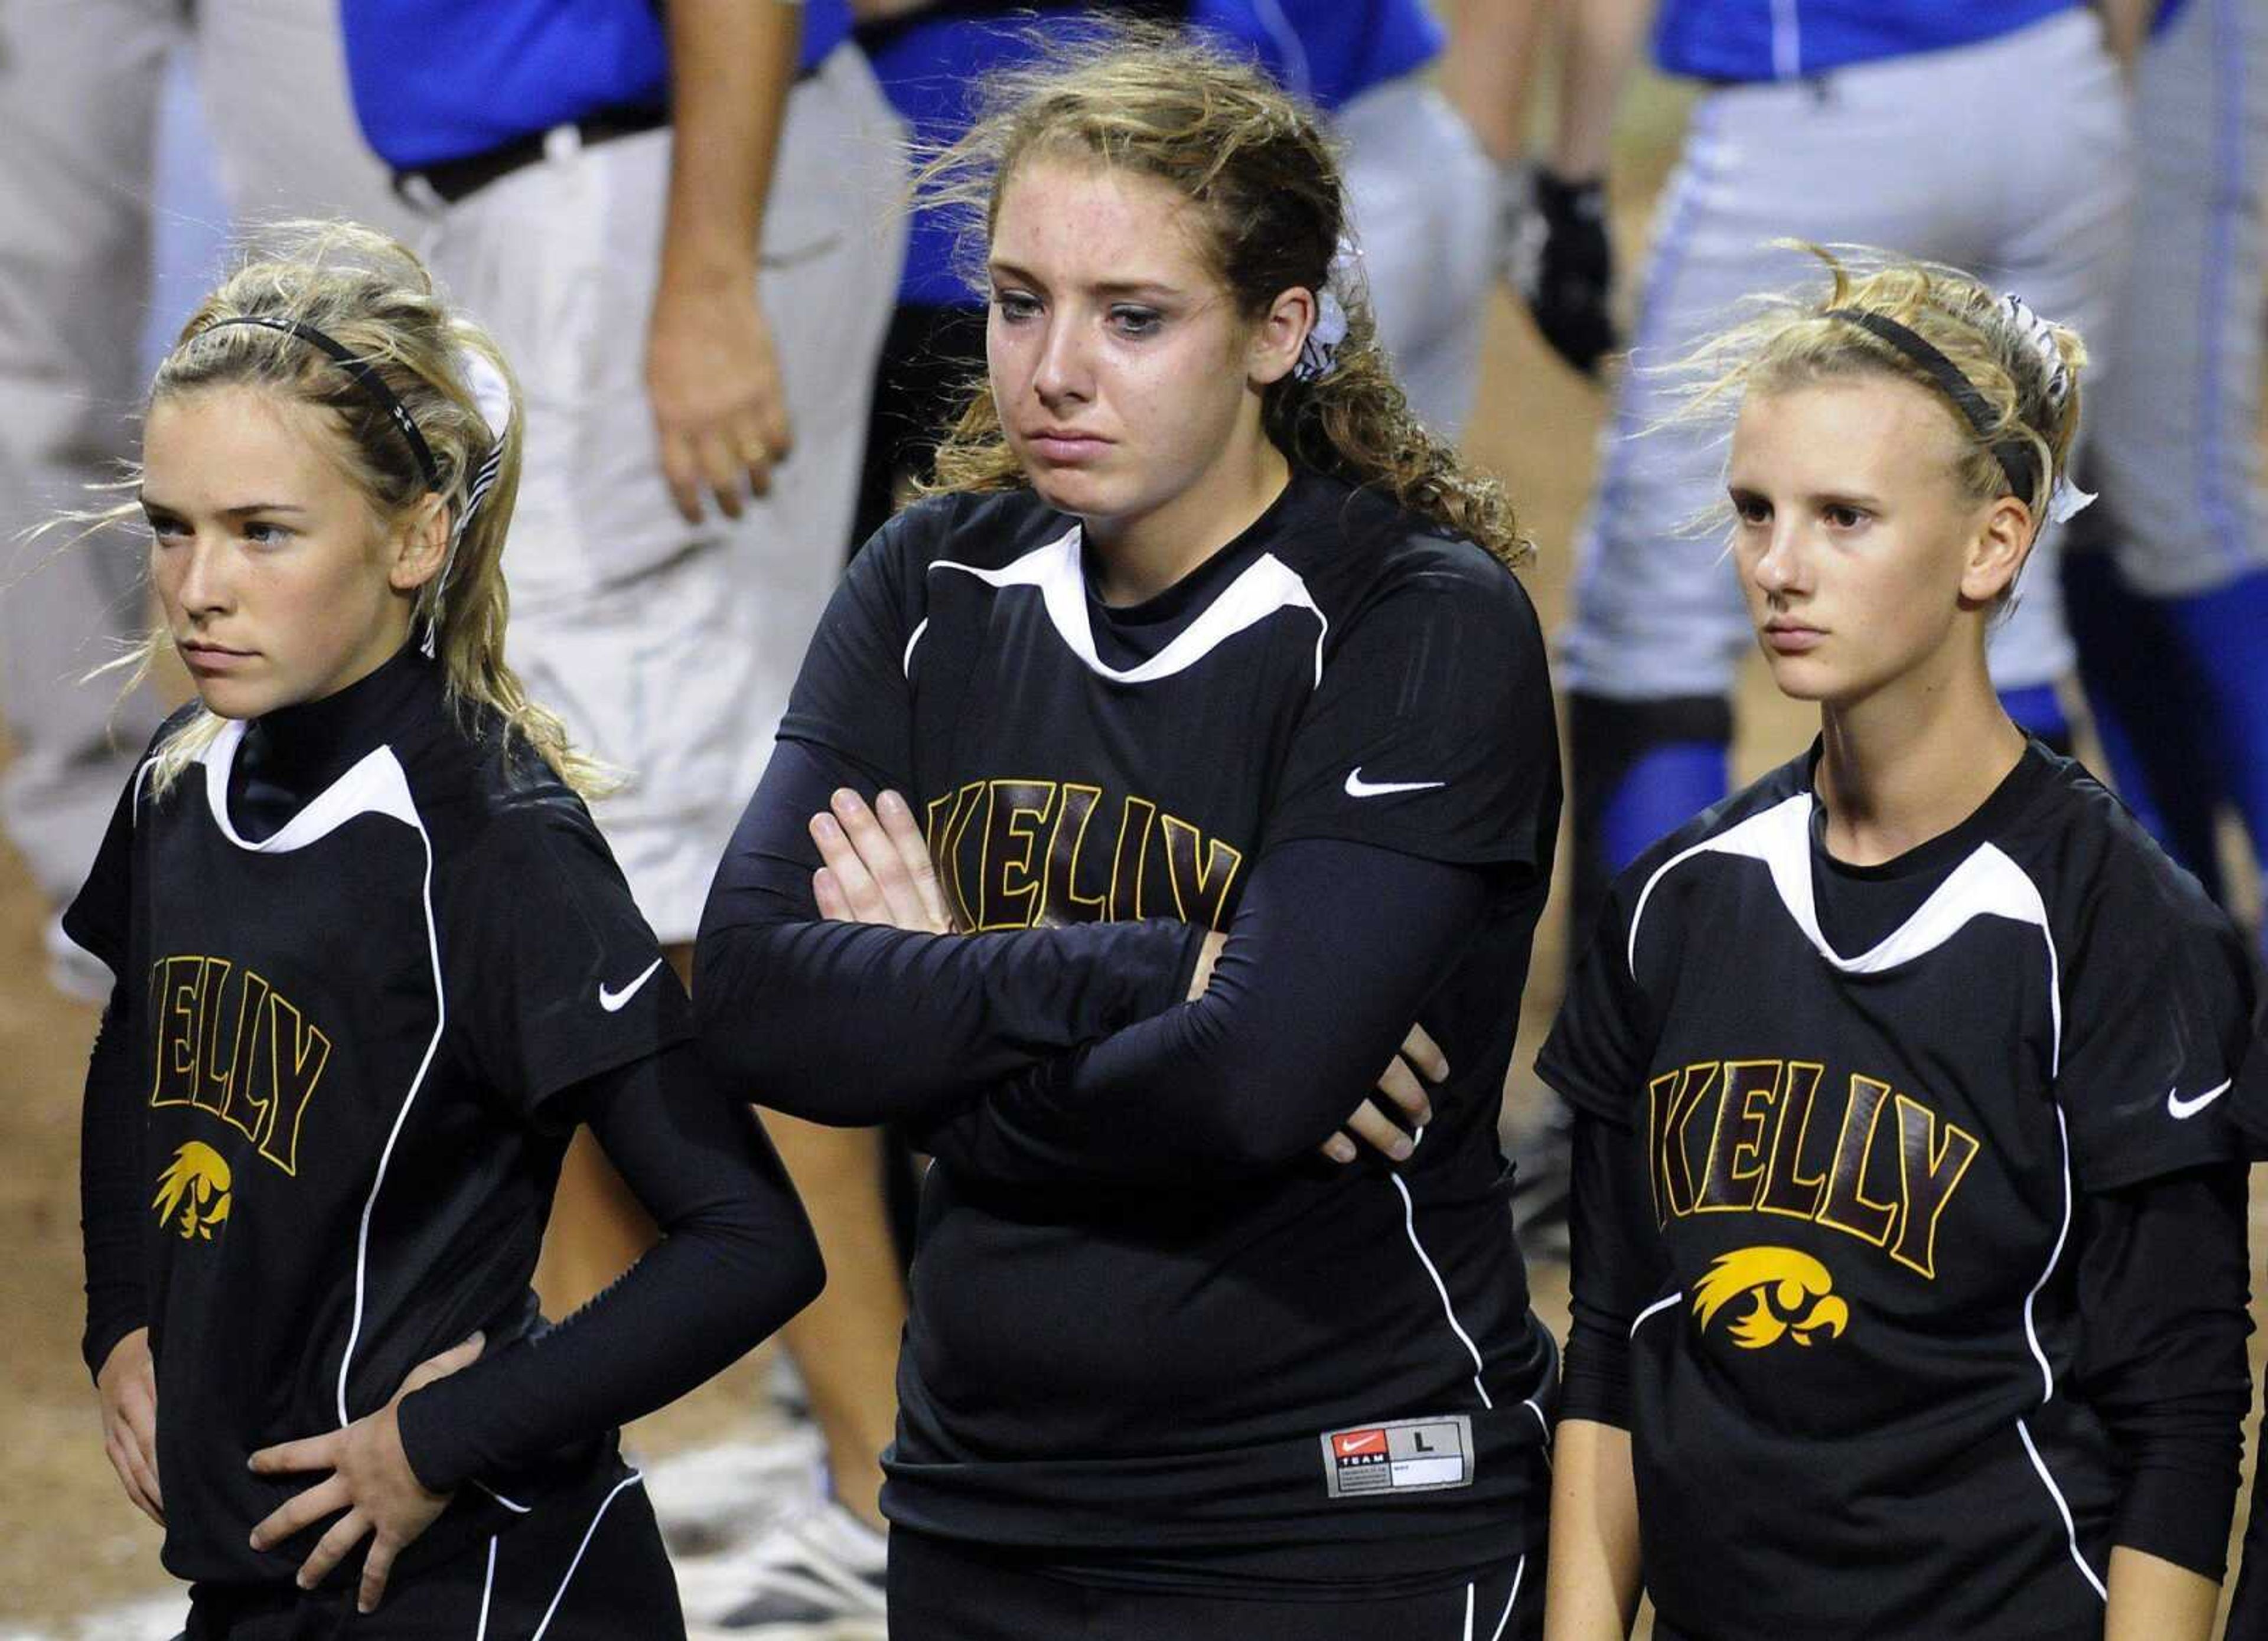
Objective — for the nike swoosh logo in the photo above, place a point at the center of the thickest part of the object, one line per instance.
(612, 1001)
(1357, 787)
(2181, 1109)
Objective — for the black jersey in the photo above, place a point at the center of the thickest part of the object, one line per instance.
(1260, 1371)
(349, 1031)
(1856, 1398)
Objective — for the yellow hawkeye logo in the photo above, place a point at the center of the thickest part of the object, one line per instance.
(1794, 1297)
(196, 1186)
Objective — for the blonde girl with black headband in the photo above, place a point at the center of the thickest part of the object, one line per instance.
(1908, 1278)
(373, 966)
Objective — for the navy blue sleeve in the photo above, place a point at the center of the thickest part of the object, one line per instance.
(552, 973)
(1332, 953)
(736, 1260)
(2156, 1029)
(112, 1186)
(2163, 1290)
(855, 1023)
(1616, 1267)
(1602, 1040)
(1430, 729)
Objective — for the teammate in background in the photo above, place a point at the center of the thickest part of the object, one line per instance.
(1878, 121)
(1203, 635)
(2168, 580)
(366, 933)
(1413, 171)
(725, 176)
(1909, 1284)
(81, 87)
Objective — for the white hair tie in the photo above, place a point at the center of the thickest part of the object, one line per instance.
(2040, 335)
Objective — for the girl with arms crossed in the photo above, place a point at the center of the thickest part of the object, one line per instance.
(374, 964)
(1202, 636)
(1909, 1227)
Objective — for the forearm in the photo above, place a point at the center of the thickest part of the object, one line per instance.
(732, 64)
(2126, 27)
(1592, 1591)
(1293, 1030)
(2162, 1280)
(2151, 1600)
(737, 1259)
(1488, 69)
(857, 1024)
(113, 1191)
(1599, 44)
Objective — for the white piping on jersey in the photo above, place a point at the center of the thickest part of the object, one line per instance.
(1409, 1228)
(1787, 40)
(1660, 1304)
(2031, 1333)
(1469, 1612)
(2070, 1529)
(568, 1576)
(906, 661)
(1519, 1572)
(1985, 884)
(375, 785)
(1265, 586)
(512, 1505)
(1528, 1402)
(488, 1584)
(1298, 75)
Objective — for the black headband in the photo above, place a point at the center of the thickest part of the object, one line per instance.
(2017, 457)
(370, 381)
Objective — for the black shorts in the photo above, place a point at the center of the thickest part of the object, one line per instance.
(586, 1566)
(941, 1590)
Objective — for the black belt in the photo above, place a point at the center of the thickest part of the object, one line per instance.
(452, 180)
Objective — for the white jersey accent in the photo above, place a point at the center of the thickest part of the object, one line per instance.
(1266, 585)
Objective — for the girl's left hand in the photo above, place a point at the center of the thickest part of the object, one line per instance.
(370, 1480)
(878, 868)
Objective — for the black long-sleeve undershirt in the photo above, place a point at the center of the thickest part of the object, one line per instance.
(2161, 1284)
(854, 1024)
(113, 1191)
(736, 1260)
(1333, 950)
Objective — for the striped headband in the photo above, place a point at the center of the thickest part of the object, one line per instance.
(2017, 457)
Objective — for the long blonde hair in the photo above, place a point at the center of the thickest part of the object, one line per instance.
(1255, 163)
(372, 295)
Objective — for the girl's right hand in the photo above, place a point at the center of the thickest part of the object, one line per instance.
(1421, 1057)
(127, 1386)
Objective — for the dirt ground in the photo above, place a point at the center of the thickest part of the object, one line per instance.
(68, 1539)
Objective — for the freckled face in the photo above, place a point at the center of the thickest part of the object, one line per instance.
(279, 583)
(1854, 537)
(1117, 359)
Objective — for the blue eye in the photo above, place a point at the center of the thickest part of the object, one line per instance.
(1015, 305)
(1135, 321)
